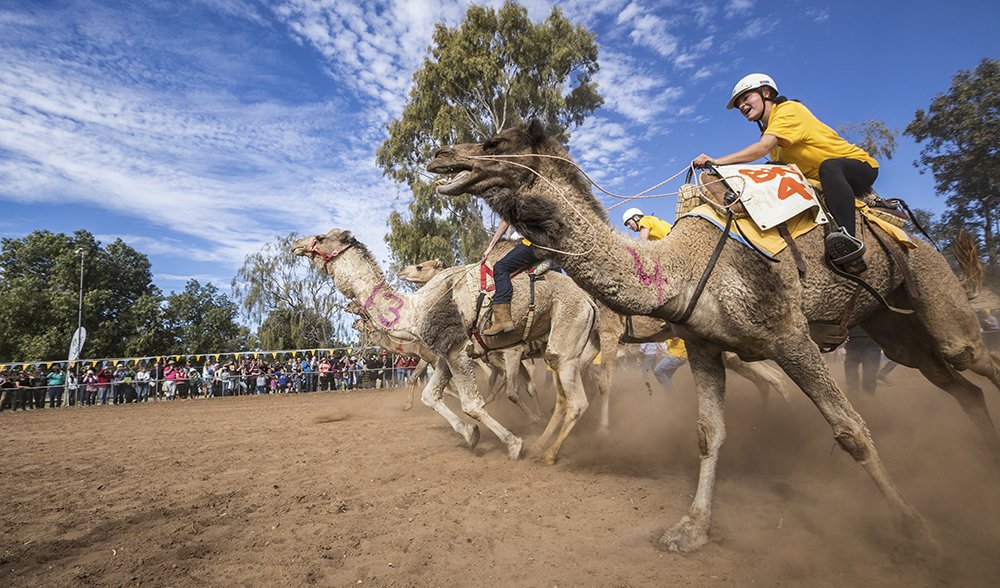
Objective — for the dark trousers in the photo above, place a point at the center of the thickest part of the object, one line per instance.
(520, 257)
(862, 352)
(844, 180)
(55, 396)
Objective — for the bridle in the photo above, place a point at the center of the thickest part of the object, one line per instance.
(326, 257)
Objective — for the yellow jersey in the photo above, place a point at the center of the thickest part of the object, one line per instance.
(805, 141)
(658, 229)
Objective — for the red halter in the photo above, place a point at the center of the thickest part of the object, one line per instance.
(327, 257)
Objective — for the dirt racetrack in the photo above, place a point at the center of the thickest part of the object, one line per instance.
(345, 489)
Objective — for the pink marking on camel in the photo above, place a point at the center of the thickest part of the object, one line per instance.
(646, 279)
(394, 309)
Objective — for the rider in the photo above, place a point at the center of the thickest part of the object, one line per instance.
(648, 226)
(520, 257)
(790, 133)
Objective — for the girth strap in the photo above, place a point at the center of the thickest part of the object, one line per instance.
(708, 271)
(800, 262)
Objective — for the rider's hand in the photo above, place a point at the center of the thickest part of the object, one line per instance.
(702, 161)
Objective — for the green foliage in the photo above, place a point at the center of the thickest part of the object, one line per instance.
(40, 283)
(202, 320)
(293, 302)
(495, 70)
(962, 134)
(873, 136)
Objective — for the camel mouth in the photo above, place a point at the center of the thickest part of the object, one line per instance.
(451, 186)
(299, 250)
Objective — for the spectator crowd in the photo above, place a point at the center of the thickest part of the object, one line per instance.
(118, 382)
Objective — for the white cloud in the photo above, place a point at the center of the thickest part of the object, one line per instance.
(739, 6)
(648, 29)
(631, 89)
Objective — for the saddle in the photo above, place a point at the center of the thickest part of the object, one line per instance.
(484, 290)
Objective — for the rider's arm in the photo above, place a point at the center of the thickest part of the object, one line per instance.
(501, 229)
(751, 152)
(644, 234)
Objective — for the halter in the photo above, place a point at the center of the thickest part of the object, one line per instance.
(327, 257)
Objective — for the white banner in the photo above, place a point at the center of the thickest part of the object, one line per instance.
(772, 194)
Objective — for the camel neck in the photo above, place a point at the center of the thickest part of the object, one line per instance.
(630, 277)
(364, 283)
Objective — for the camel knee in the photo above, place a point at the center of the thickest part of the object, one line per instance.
(475, 410)
(960, 355)
(576, 408)
(853, 441)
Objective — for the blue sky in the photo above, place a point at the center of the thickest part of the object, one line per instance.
(198, 130)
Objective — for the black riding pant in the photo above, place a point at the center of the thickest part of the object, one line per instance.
(520, 257)
(844, 180)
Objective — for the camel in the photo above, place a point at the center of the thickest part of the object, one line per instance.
(610, 329)
(750, 306)
(440, 315)
(494, 371)
(509, 371)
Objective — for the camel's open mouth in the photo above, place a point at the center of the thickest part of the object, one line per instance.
(451, 185)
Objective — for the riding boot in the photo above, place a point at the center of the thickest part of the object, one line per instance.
(502, 322)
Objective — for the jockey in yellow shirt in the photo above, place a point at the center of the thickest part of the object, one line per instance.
(648, 226)
(790, 133)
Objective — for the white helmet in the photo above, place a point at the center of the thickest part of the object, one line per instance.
(630, 213)
(751, 82)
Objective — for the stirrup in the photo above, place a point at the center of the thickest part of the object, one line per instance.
(846, 251)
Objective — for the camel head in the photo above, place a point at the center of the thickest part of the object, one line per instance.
(421, 273)
(324, 249)
(507, 172)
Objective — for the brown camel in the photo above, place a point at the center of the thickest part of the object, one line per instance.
(750, 306)
(439, 315)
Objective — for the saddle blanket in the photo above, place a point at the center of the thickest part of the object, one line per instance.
(771, 242)
(772, 194)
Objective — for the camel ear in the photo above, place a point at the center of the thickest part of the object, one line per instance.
(437, 264)
(346, 236)
(536, 131)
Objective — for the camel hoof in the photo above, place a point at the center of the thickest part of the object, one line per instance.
(547, 459)
(514, 448)
(684, 537)
(471, 435)
(407, 407)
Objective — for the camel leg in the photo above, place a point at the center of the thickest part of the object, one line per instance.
(557, 412)
(518, 376)
(763, 376)
(904, 341)
(802, 361)
(432, 397)
(574, 405)
(691, 532)
(953, 327)
(418, 372)
(609, 361)
(463, 375)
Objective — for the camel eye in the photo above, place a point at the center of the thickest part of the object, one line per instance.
(492, 144)
(420, 268)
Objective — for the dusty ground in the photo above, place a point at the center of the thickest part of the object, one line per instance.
(348, 490)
